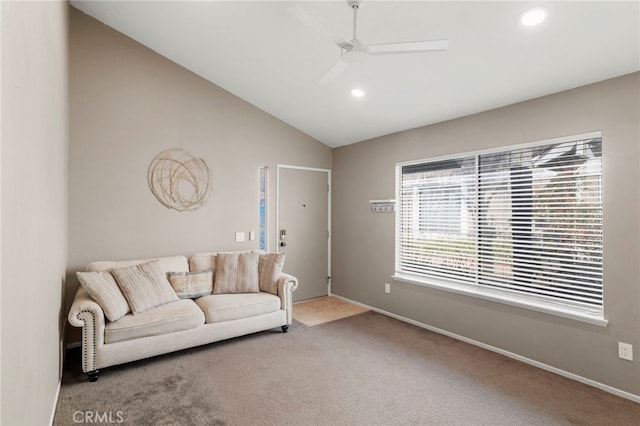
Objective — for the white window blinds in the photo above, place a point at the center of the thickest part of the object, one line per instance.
(437, 234)
(525, 221)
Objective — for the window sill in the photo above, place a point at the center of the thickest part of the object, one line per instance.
(494, 296)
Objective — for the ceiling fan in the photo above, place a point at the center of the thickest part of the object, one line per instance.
(355, 50)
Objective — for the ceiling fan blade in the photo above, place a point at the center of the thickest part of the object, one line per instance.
(311, 20)
(334, 72)
(407, 47)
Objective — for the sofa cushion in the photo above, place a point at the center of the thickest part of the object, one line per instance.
(269, 269)
(167, 264)
(189, 285)
(236, 273)
(228, 307)
(202, 262)
(102, 287)
(144, 286)
(176, 316)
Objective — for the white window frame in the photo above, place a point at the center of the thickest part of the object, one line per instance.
(544, 306)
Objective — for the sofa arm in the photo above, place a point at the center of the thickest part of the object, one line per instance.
(86, 313)
(286, 286)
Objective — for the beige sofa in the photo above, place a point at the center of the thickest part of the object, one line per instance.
(180, 324)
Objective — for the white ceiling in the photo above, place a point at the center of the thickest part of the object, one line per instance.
(264, 55)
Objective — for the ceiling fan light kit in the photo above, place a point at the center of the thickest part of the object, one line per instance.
(355, 51)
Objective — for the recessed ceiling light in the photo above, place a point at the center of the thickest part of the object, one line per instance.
(358, 93)
(533, 16)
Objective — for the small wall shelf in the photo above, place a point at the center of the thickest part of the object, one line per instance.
(383, 206)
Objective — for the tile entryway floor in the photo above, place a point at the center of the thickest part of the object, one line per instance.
(324, 309)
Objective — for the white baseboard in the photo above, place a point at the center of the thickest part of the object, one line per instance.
(563, 373)
(62, 350)
(55, 403)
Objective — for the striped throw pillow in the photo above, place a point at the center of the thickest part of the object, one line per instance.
(269, 269)
(144, 286)
(237, 273)
(103, 289)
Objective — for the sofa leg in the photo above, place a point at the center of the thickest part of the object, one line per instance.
(284, 328)
(93, 375)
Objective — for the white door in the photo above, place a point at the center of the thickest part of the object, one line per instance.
(303, 225)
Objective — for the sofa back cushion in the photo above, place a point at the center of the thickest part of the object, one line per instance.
(236, 273)
(202, 261)
(167, 264)
(144, 286)
(207, 260)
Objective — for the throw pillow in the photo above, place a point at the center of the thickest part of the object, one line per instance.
(237, 273)
(269, 269)
(103, 289)
(189, 285)
(144, 286)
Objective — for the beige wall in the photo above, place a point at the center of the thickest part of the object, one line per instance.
(363, 243)
(127, 105)
(34, 206)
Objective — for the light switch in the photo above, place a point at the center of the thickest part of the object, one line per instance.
(252, 235)
(239, 237)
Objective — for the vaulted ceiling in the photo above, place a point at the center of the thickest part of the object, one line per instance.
(266, 55)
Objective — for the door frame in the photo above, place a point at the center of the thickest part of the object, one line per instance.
(307, 169)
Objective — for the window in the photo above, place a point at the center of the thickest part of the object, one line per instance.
(262, 209)
(437, 233)
(523, 223)
(441, 212)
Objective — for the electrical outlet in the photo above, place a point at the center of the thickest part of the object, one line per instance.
(625, 351)
(387, 288)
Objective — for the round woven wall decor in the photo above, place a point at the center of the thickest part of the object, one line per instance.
(179, 180)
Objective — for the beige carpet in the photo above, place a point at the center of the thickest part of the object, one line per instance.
(324, 309)
(366, 369)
